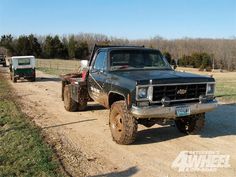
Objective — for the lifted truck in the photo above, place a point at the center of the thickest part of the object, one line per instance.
(139, 86)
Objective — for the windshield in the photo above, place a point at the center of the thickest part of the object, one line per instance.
(24, 61)
(137, 59)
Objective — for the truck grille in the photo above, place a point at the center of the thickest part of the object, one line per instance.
(178, 92)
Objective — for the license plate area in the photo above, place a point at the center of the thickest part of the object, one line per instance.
(182, 111)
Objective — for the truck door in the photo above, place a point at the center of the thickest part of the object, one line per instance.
(97, 77)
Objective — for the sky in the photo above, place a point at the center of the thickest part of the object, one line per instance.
(131, 19)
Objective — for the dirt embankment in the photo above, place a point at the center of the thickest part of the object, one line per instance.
(86, 148)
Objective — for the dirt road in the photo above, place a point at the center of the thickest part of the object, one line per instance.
(87, 133)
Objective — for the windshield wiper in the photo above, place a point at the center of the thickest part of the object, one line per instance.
(150, 67)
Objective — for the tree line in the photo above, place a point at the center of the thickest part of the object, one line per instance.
(203, 61)
(198, 53)
(45, 47)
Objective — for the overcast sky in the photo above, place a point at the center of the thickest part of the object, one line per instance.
(132, 19)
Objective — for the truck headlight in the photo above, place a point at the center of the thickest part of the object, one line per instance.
(210, 89)
(142, 92)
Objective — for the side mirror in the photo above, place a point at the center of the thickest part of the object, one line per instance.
(174, 66)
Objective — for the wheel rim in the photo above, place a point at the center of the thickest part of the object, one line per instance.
(116, 125)
(65, 100)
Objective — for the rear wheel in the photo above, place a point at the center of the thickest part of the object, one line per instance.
(123, 125)
(14, 79)
(32, 79)
(82, 106)
(69, 104)
(191, 125)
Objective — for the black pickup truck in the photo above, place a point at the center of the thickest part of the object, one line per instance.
(139, 86)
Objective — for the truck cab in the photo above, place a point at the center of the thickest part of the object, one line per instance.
(139, 86)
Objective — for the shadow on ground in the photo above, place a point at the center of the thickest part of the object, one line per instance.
(47, 127)
(69, 123)
(220, 122)
(125, 173)
(47, 79)
(160, 134)
(94, 107)
(40, 79)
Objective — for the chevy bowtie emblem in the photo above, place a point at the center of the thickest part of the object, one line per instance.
(181, 91)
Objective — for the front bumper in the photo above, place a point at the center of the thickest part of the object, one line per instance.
(170, 112)
(24, 76)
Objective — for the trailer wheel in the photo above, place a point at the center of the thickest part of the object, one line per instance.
(69, 104)
(123, 125)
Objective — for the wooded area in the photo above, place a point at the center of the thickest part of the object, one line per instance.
(199, 53)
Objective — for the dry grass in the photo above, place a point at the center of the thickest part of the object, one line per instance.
(225, 83)
(57, 66)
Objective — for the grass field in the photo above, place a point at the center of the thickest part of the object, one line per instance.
(225, 87)
(23, 151)
(57, 66)
(225, 84)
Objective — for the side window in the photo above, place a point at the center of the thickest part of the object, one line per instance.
(100, 61)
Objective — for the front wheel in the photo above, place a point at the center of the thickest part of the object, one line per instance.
(191, 125)
(123, 125)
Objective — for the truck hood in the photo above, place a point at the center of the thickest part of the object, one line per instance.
(143, 77)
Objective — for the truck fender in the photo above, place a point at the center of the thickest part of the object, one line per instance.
(114, 96)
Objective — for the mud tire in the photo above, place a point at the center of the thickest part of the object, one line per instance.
(123, 125)
(69, 104)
